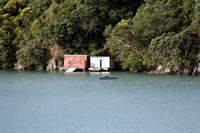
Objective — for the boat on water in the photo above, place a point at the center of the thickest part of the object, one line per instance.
(107, 77)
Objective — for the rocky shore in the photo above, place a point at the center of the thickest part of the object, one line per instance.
(53, 66)
(175, 71)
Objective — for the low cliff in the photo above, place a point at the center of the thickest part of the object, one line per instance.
(195, 71)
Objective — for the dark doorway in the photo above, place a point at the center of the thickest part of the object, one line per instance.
(100, 63)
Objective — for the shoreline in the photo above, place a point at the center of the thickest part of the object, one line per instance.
(183, 72)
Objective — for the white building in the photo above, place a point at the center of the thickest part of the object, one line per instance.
(98, 63)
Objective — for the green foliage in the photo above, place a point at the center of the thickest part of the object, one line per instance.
(58, 31)
(6, 48)
(155, 19)
(134, 62)
(123, 43)
(22, 3)
(197, 10)
(3, 2)
(77, 26)
(65, 9)
(138, 33)
(58, 59)
(51, 11)
(6, 55)
(39, 6)
(25, 16)
(3, 56)
(125, 9)
(171, 49)
(155, 36)
(188, 11)
(36, 28)
(31, 55)
(98, 52)
(11, 7)
(164, 50)
(150, 1)
(57, 1)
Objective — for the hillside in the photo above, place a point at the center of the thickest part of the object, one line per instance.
(140, 35)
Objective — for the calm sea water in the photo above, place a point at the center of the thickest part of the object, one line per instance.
(57, 102)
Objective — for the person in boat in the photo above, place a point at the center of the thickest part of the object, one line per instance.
(104, 77)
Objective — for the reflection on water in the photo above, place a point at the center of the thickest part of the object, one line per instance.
(79, 102)
(99, 73)
(71, 73)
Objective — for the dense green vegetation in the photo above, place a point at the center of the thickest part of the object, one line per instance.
(140, 35)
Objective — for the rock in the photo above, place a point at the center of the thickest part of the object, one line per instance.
(167, 70)
(159, 68)
(40, 69)
(52, 66)
(196, 70)
(19, 67)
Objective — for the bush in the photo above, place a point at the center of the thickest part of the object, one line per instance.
(31, 56)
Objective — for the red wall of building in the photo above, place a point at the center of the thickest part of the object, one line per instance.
(76, 61)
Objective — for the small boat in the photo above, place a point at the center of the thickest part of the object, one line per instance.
(107, 77)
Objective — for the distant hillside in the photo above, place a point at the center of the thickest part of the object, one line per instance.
(140, 35)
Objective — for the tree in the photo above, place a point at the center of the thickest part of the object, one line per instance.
(6, 55)
(7, 49)
(124, 9)
(155, 19)
(125, 45)
(197, 10)
(31, 55)
(175, 50)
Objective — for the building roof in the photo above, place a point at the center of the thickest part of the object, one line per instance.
(74, 55)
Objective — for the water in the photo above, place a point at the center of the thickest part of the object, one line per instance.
(56, 102)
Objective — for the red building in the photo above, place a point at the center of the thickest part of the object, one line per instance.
(76, 61)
